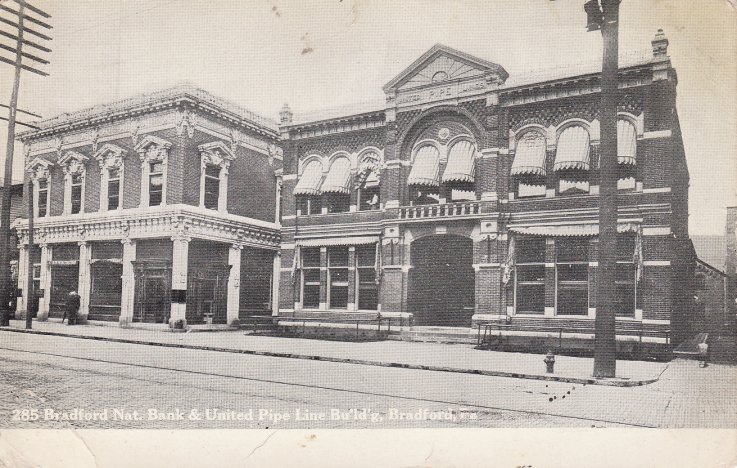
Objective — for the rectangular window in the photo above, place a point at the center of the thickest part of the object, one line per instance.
(368, 291)
(43, 198)
(212, 186)
(626, 276)
(36, 278)
(572, 276)
(113, 189)
(369, 198)
(338, 203)
(309, 205)
(338, 277)
(530, 276)
(155, 184)
(77, 181)
(310, 278)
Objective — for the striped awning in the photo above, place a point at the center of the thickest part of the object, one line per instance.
(461, 162)
(309, 182)
(426, 168)
(569, 230)
(529, 158)
(626, 142)
(573, 150)
(338, 179)
(332, 241)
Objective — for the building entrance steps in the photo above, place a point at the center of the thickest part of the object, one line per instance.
(459, 358)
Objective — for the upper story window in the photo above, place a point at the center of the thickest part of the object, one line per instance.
(528, 168)
(42, 197)
(572, 160)
(626, 154)
(307, 191)
(113, 189)
(38, 171)
(73, 164)
(424, 177)
(155, 183)
(457, 163)
(215, 159)
(110, 157)
(337, 185)
(368, 183)
(154, 155)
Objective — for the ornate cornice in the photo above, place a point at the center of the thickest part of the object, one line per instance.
(153, 148)
(39, 168)
(217, 153)
(73, 162)
(110, 156)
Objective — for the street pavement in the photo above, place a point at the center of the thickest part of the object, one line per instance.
(456, 358)
(54, 375)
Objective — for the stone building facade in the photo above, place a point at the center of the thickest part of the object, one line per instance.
(160, 208)
(471, 196)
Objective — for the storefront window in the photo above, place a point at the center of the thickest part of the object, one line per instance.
(572, 276)
(311, 278)
(530, 276)
(338, 277)
(368, 296)
(626, 276)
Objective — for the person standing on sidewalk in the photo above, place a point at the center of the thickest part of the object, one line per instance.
(72, 307)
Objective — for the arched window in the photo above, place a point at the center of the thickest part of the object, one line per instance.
(626, 154)
(572, 160)
(368, 176)
(528, 167)
(307, 190)
(337, 185)
(424, 177)
(459, 172)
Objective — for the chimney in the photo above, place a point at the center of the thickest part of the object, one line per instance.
(285, 115)
(660, 45)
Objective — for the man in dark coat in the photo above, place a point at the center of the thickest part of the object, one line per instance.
(72, 306)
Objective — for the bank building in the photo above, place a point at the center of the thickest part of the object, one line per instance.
(467, 196)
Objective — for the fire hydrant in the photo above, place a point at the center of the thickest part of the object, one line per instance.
(549, 362)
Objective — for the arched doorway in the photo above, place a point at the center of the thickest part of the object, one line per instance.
(442, 281)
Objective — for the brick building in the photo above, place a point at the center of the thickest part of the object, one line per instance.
(471, 196)
(158, 208)
(16, 208)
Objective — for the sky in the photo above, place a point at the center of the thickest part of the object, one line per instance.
(326, 53)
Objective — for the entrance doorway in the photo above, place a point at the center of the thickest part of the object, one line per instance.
(207, 298)
(442, 281)
(64, 278)
(152, 303)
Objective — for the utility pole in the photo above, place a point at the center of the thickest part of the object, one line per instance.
(605, 345)
(24, 15)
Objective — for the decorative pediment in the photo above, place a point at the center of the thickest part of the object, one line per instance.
(216, 153)
(443, 64)
(110, 156)
(73, 162)
(153, 148)
(39, 168)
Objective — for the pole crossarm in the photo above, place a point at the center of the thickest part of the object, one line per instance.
(25, 29)
(26, 17)
(25, 54)
(25, 41)
(24, 67)
(38, 11)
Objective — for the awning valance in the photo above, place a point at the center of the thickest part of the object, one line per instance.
(461, 162)
(332, 241)
(626, 142)
(572, 151)
(309, 182)
(338, 179)
(529, 158)
(570, 230)
(426, 168)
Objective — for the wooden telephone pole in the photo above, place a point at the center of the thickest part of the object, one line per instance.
(22, 27)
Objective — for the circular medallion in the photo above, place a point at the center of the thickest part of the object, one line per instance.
(443, 133)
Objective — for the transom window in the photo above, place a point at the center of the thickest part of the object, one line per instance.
(155, 183)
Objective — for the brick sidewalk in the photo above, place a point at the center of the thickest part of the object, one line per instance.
(429, 356)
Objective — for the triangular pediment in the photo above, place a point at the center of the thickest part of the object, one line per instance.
(444, 64)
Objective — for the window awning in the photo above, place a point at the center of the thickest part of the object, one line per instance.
(426, 168)
(573, 150)
(338, 179)
(309, 183)
(461, 162)
(332, 241)
(529, 158)
(626, 142)
(569, 230)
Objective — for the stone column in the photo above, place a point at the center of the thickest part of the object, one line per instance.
(234, 282)
(20, 305)
(275, 280)
(127, 297)
(45, 283)
(83, 282)
(180, 261)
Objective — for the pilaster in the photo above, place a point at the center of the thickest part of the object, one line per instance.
(128, 287)
(83, 283)
(234, 282)
(20, 305)
(45, 282)
(180, 260)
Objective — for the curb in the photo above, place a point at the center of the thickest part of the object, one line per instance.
(310, 357)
